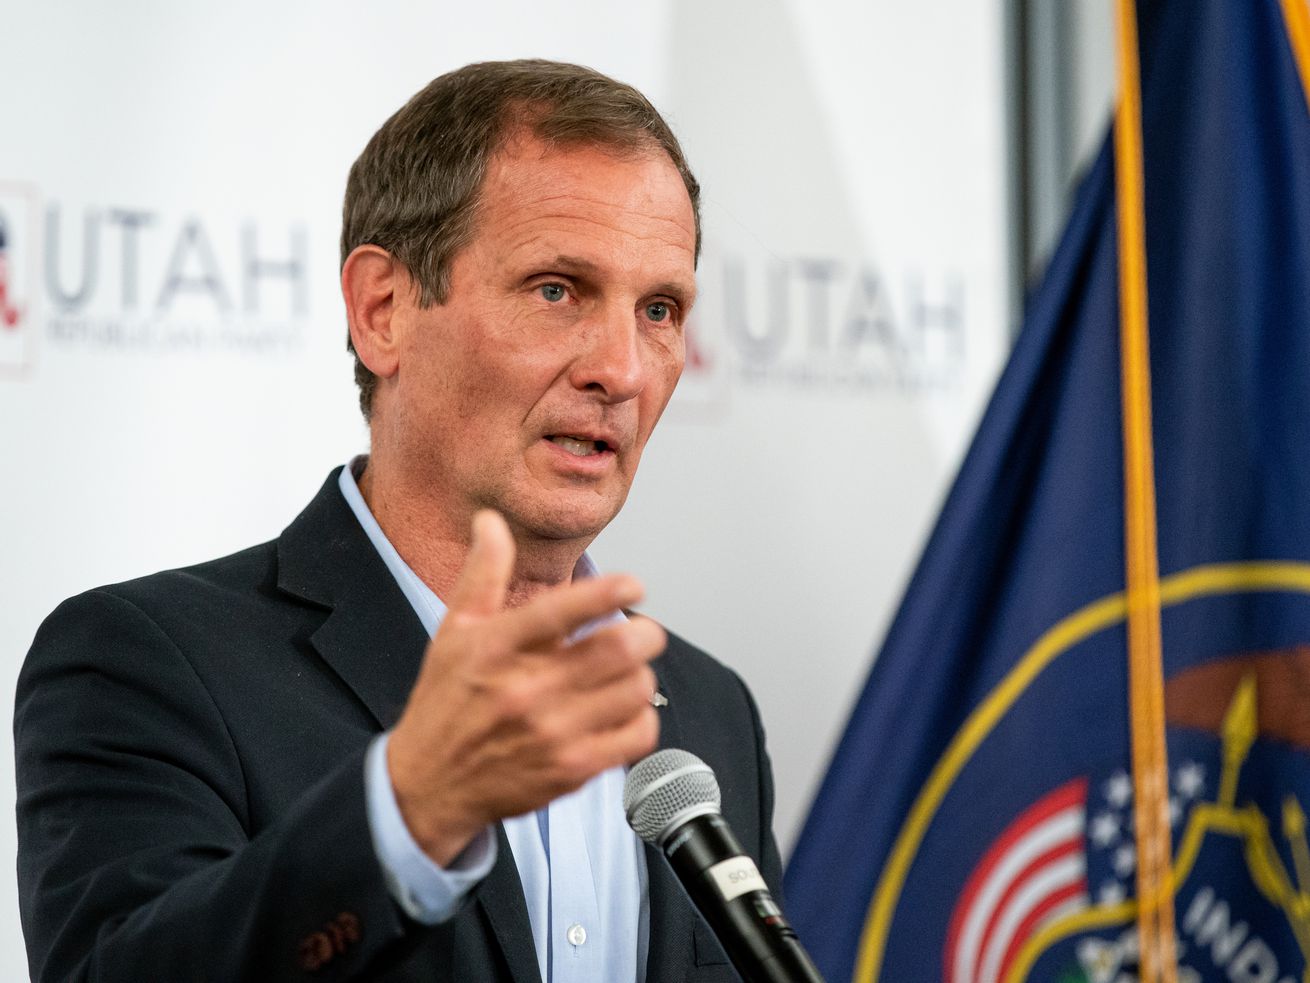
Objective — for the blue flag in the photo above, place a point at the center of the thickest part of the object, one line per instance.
(977, 820)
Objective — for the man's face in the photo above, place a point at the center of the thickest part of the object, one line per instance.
(534, 388)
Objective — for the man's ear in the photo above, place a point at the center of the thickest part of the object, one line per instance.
(371, 284)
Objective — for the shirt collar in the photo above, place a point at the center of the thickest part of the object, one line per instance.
(424, 600)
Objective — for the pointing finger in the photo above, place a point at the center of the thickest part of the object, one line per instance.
(484, 580)
(615, 651)
(555, 615)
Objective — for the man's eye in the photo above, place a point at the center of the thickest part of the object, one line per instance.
(657, 312)
(553, 292)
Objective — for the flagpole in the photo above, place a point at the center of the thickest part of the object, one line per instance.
(1155, 914)
(1296, 15)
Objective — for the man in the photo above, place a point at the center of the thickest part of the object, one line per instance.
(203, 793)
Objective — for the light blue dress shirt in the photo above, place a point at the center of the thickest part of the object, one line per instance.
(583, 870)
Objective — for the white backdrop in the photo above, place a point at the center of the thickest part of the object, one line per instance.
(176, 385)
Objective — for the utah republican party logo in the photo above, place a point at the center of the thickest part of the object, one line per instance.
(135, 279)
(17, 296)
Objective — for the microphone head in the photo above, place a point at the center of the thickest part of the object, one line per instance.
(665, 789)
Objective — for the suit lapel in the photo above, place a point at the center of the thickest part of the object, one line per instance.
(671, 917)
(373, 640)
(501, 898)
(376, 653)
(371, 637)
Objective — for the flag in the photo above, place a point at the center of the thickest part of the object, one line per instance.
(985, 814)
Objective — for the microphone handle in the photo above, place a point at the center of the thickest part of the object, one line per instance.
(726, 886)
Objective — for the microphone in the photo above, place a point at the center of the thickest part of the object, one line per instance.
(672, 799)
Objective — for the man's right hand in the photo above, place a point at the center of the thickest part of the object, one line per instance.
(508, 714)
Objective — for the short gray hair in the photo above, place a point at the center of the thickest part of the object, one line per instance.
(414, 190)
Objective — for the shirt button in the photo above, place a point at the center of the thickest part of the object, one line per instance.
(576, 934)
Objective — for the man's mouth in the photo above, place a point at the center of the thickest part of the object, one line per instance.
(579, 446)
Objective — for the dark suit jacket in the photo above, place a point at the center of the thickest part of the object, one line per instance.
(190, 780)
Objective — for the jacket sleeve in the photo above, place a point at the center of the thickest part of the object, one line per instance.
(136, 856)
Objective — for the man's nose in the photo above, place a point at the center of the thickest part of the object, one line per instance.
(610, 357)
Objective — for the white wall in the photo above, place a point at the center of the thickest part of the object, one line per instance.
(852, 314)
